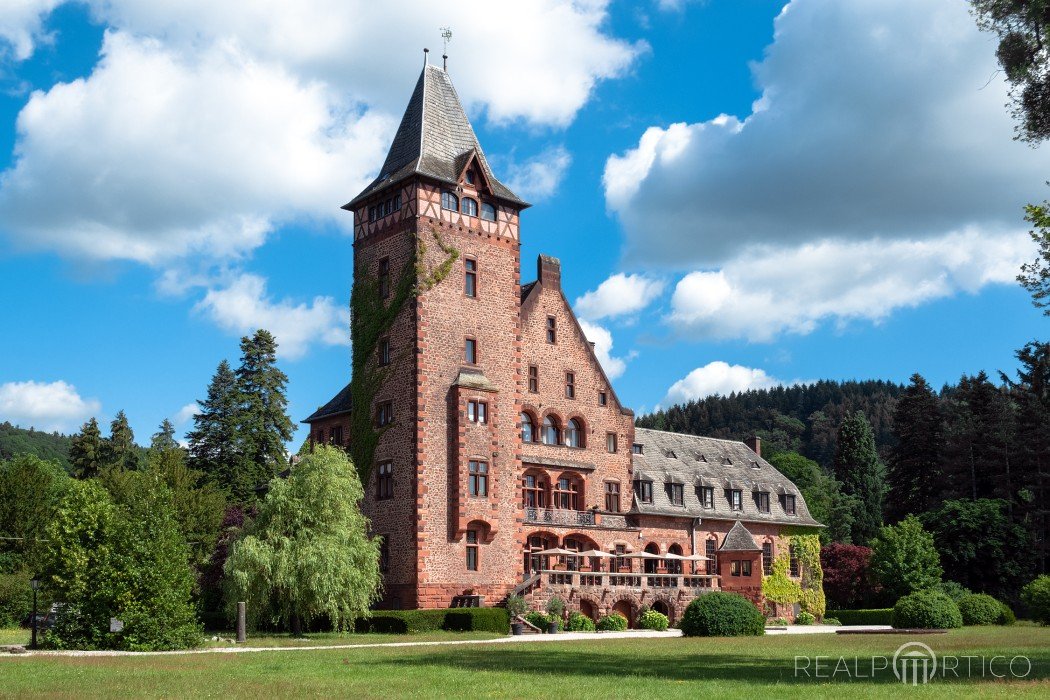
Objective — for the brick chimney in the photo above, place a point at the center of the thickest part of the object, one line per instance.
(755, 443)
(548, 271)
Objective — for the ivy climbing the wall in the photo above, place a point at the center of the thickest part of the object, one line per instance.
(808, 591)
(371, 318)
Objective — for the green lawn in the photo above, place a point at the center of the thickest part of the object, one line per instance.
(650, 668)
(334, 638)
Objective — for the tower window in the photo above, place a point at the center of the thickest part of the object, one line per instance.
(610, 442)
(385, 480)
(534, 379)
(472, 550)
(384, 352)
(552, 330)
(603, 398)
(477, 412)
(384, 413)
(471, 351)
(449, 201)
(488, 212)
(612, 496)
(470, 206)
(570, 385)
(384, 278)
(470, 281)
(478, 478)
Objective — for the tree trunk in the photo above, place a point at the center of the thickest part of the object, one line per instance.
(297, 626)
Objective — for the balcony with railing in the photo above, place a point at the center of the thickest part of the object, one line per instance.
(574, 518)
(694, 583)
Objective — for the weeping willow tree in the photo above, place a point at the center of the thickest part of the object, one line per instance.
(307, 554)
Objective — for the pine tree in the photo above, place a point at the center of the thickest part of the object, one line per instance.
(214, 439)
(164, 439)
(85, 451)
(862, 475)
(119, 450)
(981, 431)
(263, 425)
(915, 477)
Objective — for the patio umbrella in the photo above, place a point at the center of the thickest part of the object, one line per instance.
(596, 553)
(556, 552)
(696, 557)
(644, 555)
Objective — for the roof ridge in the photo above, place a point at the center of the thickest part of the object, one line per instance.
(694, 435)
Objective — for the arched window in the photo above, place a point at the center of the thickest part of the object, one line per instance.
(449, 201)
(470, 206)
(674, 566)
(551, 433)
(650, 565)
(528, 430)
(574, 433)
(567, 493)
(488, 212)
(534, 491)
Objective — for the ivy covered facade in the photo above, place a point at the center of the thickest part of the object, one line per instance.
(488, 437)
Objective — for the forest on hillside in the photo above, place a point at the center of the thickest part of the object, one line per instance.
(53, 447)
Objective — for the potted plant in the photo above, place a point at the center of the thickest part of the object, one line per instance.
(555, 609)
(516, 607)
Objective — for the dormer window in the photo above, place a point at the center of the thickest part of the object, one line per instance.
(636, 448)
(449, 201)
(470, 206)
(644, 489)
(762, 501)
(789, 504)
(676, 494)
(469, 177)
(488, 212)
(735, 498)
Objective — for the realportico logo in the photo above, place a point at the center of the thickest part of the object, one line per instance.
(914, 663)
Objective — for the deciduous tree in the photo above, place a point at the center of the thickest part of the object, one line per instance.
(904, 559)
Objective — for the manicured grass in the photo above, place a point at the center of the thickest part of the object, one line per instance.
(661, 668)
(334, 638)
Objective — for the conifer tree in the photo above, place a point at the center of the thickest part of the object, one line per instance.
(164, 439)
(915, 477)
(263, 425)
(862, 475)
(980, 437)
(120, 450)
(85, 451)
(214, 439)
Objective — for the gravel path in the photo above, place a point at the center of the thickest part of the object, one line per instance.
(523, 639)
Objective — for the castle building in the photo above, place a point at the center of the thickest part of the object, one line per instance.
(493, 437)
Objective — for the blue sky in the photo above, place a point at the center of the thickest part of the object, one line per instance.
(741, 193)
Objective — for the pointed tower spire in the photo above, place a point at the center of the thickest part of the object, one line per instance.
(435, 140)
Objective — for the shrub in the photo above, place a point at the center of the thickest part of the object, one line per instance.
(904, 558)
(516, 606)
(16, 599)
(1036, 596)
(1006, 615)
(652, 620)
(779, 622)
(614, 622)
(875, 616)
(980, 609)
(578, 622)
(927, 610)
(847, 573)
(804, 618)
(537, 619)
(832, 621)
(450, 619)
(555, 607)
(954, 590)
(721, 614)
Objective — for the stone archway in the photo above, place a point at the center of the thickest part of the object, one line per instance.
(589, 609)
(625, 608)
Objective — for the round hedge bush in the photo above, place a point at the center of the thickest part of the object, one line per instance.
(578, 622)
(980, 609)
(804, 618)
(1036, 596)
(614, 622)
(926, 610)
(652, 620)
(720, 614)
(1006, 616)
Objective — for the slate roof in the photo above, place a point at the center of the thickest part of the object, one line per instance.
(696, 461)
(739, 539)
(339, 404)
(434, 139)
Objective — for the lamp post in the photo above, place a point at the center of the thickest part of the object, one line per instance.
(34, 584)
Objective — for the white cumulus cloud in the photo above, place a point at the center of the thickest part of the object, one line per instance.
(758, 297)
(186, 413)
(538, 177)
(718, 378)
(21, 26)
(244, 306)
(877, 120)
(45, 405)
(619, 295)
(603, 343)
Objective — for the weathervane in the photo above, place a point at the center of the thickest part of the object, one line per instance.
(446, 36)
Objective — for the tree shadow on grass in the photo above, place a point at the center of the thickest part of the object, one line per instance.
(553, 660)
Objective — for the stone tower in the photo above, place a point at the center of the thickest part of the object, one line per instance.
(437, 379)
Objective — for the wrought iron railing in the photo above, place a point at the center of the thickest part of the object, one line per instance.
(606, 579)
(558, 516)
